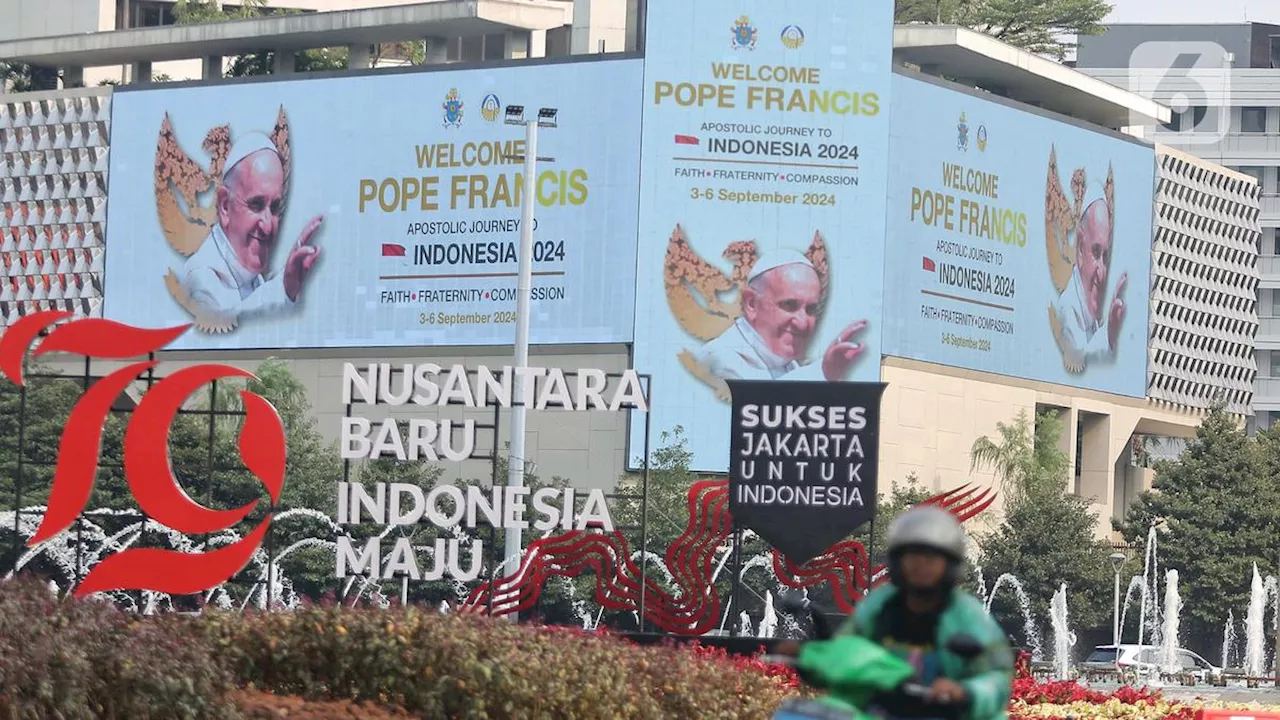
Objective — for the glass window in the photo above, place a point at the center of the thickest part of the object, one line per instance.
(1201, 119)
(1253, 119)
(473, 49)
(1103, 655)
(1275, 50)
(495, 46)
(1187, 662)
(1252, 171)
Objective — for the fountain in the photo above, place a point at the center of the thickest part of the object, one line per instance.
(1150, 610)
(1063, 639)
(1024, 604)
(1255, 651)
(1169, 661)
(1136, 584)
(769, 623)
(1228, 638)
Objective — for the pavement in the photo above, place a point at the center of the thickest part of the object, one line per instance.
(1267, 694)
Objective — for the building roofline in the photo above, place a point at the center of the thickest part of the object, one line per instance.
(988, 62)
(1015, 104)
(286, 32)
(1162, 149)
(364, 72)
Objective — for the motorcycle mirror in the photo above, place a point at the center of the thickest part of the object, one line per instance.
(965, 646)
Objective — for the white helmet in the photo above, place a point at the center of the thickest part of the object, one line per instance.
(930, 528)
(927, 526)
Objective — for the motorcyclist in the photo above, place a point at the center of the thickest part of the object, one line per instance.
(920, 610)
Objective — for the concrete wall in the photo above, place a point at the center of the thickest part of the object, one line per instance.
(1113, 48)
(44, 18)
(933, 414)
(597, 22)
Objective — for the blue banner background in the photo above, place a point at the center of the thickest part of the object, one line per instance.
(348, 129)
(719, 76)
(979, 296)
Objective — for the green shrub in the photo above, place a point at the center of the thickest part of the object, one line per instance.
(78, 659)
(480, 668)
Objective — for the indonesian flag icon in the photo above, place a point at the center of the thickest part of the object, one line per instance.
(686, 140)
(392, 250)
(928, 264)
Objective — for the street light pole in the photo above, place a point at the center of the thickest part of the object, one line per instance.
(1117, 564)
(524, 285)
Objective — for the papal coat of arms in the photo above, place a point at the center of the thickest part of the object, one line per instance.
(792, 37)
(452, 106)
(1061, 219)
(705, 300)
(962, 134)
(490, 107)
(186, 207)
(743, 34)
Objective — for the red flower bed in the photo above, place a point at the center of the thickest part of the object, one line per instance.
(754, 664)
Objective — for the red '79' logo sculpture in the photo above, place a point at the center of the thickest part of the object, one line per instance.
(146, 454)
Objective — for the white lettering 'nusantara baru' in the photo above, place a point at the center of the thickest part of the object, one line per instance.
(542, 388)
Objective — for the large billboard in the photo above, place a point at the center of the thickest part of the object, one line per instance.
(376, 210)
(1020, 245)
(762, 202)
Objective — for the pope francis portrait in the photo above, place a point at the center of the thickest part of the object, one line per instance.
(780, 312)
(228, 276)
(1090, 327)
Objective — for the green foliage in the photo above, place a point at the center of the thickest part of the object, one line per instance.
(81, 660)
(21, 77)
(187, 12)
(458, 666)
(77, 660)
(1047, 535)
(1044, 27)
(1217, 512)
(901, 498)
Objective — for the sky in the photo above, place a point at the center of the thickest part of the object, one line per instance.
(1194, 11)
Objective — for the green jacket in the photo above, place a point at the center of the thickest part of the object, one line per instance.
(988, 679)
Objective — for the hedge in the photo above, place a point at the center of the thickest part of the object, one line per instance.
(73, 660)
(82, 659)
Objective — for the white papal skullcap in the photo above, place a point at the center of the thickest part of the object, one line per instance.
(247, 145)
(775, 259)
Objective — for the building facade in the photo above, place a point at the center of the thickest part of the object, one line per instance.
(1228, 89)
(1204, 275)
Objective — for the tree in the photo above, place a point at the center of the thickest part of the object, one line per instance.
(20, 77)
(1047, 534)
(901, 498)
(1217, 512)
(1045, 27)
(188, 12)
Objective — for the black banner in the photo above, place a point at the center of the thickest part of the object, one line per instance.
(803, 461)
